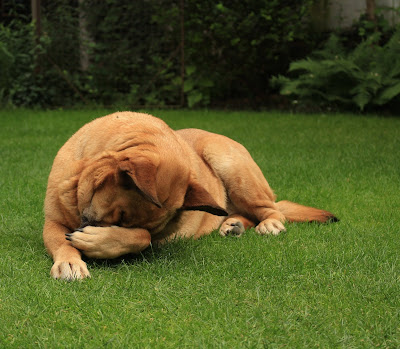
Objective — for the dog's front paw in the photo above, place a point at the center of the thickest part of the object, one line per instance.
(74, 269)
(270, 226)
(109, 242)
(94, 242)
(231, 227)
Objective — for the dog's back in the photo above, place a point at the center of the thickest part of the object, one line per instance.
(248, 192)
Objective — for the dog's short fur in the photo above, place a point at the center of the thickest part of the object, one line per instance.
(126, 180)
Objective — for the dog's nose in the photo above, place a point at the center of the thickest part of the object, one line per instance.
(86, 221)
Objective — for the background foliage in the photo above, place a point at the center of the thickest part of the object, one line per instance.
(231, 49)
(187, 53)
(38, 71)
(358, 69)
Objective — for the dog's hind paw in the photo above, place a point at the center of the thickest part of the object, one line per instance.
(231, 227)
(270, 226)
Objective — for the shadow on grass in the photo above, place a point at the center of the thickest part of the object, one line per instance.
(183, 249)
(177, 249)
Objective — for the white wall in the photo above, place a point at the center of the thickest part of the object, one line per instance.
(342, 13)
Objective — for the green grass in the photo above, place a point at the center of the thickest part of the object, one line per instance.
(330, 286)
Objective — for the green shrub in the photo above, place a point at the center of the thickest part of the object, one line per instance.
(236, 46)
(231, 49)
(17, 64)
(364, 77)
(29, 71)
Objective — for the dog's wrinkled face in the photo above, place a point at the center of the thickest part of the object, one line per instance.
(138, 193)
(124, 206)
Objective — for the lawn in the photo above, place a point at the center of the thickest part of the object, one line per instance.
(330, 286)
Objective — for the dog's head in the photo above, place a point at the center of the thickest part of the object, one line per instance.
(139, 189)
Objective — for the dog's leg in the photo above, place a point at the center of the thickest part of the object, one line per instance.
(235, 225)
(68, 264)
(109, 242)
(249, 192)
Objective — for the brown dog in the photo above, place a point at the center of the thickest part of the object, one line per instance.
(126, 180)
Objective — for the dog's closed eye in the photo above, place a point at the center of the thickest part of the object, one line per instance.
(121, 218)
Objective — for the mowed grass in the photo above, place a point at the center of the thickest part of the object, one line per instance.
(327, 286)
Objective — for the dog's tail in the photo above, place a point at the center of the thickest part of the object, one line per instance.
(298, 213)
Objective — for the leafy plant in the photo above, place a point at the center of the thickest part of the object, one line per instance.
(197, 88)
(238, 45)
(17, 64)
(135, 51)
(36, 71)
(366, 76)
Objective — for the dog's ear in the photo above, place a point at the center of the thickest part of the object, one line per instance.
(199, 199)
(139, 173)
(68, 192)
(91, 178)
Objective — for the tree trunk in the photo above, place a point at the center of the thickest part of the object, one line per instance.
(35, 8)
(84, 38)
(371, 7)
(182, 46)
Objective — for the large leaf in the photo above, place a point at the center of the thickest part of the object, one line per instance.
(304, 64)
(362, 99)
(193, 98)
(388, 94)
